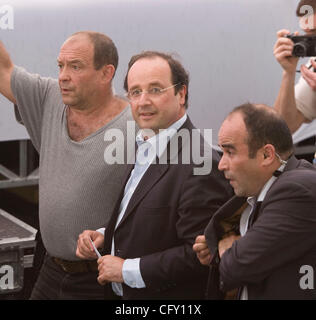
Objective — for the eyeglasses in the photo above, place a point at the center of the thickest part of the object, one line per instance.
(153, 92)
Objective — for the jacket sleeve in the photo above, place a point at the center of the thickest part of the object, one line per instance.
(284, 231)
(200, 197)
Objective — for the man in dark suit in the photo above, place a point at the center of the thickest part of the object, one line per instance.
(260, 244)
(168, 197)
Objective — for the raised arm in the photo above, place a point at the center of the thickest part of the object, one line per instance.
(285, 103)
(6, 68)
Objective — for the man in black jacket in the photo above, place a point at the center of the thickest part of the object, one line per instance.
(263, 238)
(166, 201)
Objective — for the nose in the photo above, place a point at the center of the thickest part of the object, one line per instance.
(63, 74)
(222, 165)
(143, 100)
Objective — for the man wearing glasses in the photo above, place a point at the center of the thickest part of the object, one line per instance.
(164, 204)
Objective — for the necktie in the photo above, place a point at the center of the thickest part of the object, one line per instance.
(254, 213)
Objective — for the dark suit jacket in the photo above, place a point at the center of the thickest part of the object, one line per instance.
(281, 239)
(168, 209)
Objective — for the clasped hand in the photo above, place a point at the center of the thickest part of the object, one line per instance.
(110, 267)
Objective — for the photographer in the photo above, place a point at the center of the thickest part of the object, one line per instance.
(297, 103)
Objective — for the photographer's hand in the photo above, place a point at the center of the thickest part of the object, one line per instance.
(283, 52)
(309, 75)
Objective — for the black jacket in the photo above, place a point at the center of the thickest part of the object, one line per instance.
(281, 239)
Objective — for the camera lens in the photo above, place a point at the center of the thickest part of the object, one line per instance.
(300, 49)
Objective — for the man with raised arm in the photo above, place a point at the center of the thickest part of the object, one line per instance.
(66, 120)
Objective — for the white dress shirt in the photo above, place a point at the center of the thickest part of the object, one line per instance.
(148, 150)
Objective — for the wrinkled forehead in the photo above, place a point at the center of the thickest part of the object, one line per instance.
(77, 46)
(233, 130)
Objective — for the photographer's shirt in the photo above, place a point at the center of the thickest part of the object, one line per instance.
(305, 98)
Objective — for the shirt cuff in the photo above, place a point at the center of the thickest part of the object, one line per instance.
(131, 273)
(101, 230)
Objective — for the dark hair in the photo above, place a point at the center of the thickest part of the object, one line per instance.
(105, 51)
(311, 3)
(178, 73)
(265, 126)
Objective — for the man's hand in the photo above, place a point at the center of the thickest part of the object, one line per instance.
(309, 76)
(110, 269)
(84, 247)
(226, 243)
(202, 251)
(283, 52)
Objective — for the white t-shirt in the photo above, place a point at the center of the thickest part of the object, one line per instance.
(305, 98)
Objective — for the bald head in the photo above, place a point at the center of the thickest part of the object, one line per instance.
(260, 108)
(104, 50)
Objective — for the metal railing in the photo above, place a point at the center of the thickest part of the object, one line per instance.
(23, 178)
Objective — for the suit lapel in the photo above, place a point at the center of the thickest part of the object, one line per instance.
(155, 172)
(214, 230)
(150, 178)
(111, 224)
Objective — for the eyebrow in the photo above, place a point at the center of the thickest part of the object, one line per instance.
(151, 84)
(71, 61)
(227, 146)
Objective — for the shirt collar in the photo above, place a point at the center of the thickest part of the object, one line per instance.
(265, 189)
(160, 140)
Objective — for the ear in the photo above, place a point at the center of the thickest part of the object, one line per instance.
(108, 72)
(268, 155)
(182, 93)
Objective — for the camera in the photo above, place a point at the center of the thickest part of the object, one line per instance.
(304, 46)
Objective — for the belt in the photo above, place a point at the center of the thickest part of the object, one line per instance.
(77, 266)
